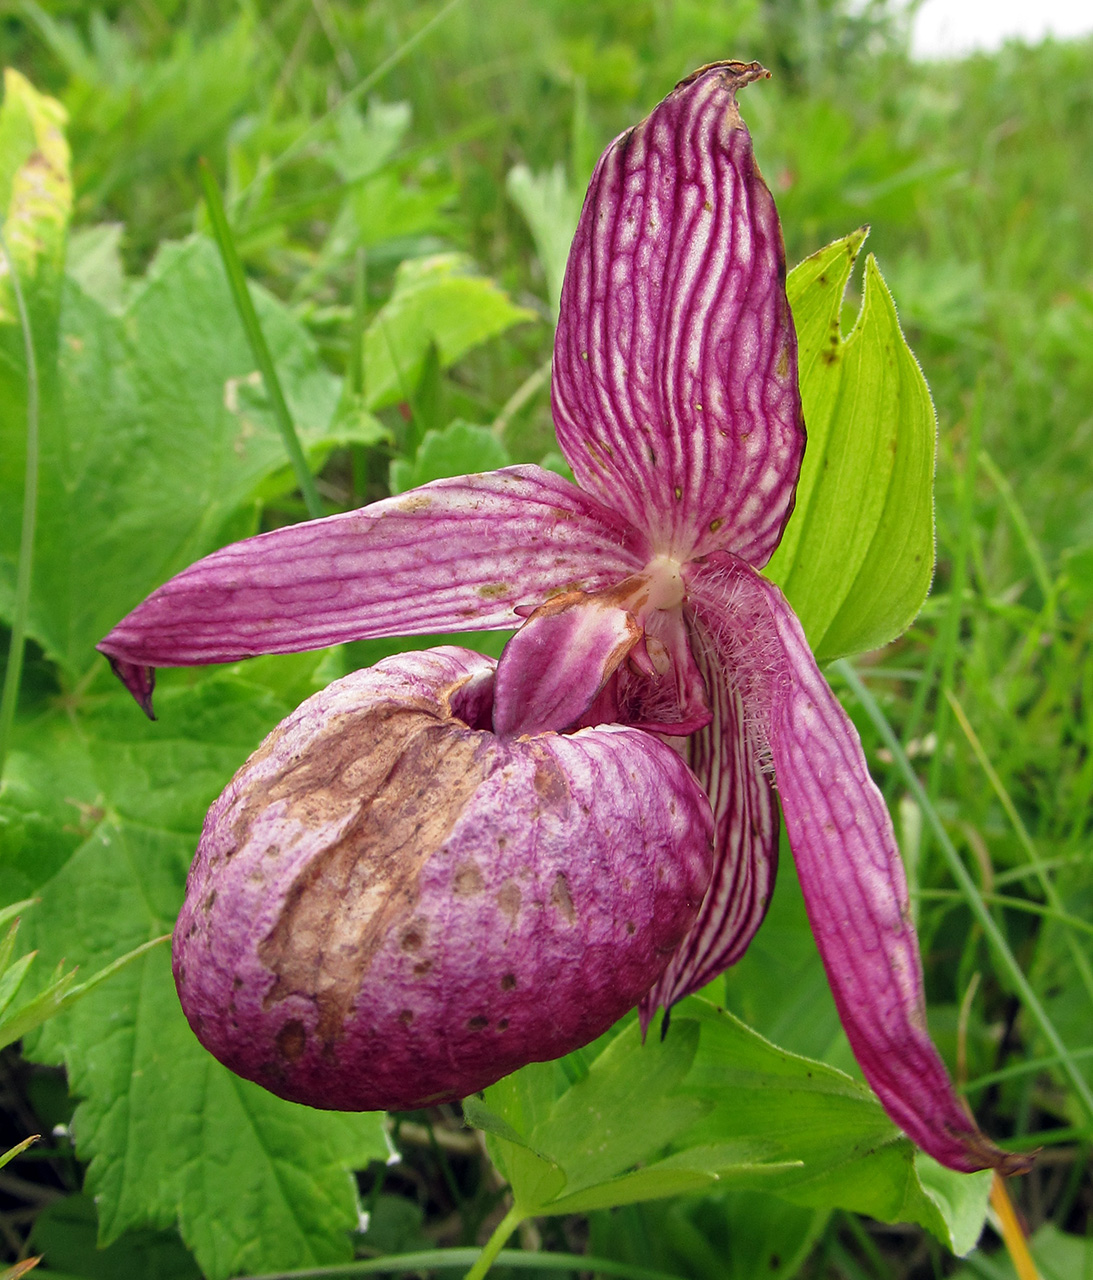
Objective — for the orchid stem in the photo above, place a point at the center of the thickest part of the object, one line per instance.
(457, 1259)
(14, 673)
(244, 304)
(959, 872)
(495, 1243)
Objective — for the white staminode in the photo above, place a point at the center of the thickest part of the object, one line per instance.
(665, 577)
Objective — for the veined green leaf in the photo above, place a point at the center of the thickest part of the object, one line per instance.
(857, 556)
(158, 434)
(551, 208)
(254, 1183)
(441, 300)
(461, 448)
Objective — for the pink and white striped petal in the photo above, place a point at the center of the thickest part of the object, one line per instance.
(849, 865)
(454, 555)
(725, 758)
(552, 669)
(675, 359)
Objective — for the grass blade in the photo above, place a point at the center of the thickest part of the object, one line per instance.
(1079, 956)
(1003, 955)
(14, 673)
(245, 306)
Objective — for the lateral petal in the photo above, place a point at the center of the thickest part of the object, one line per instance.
(453, 555)
(675, 359)
(849, 865)
(725, 758)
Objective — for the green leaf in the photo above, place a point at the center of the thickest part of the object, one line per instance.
(161, 434)
(94, 262)
(857, 556)
(624, 1110)
(850, 1154)
(438, 299)
(253, 1182)
(551, 208)
(741, 1234)
(1058, 1256)
(576, 1150)
(364, 142)
(65, 1234)
(459, 449)
(961, 1198)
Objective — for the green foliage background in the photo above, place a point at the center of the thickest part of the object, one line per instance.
(401, 180)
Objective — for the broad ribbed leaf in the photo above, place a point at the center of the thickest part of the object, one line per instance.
(675, 365)
(858, 554)
(253, 1182)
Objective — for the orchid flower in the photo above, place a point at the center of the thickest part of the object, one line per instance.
(658, 683)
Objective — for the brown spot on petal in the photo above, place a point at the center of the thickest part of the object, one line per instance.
(467, 880)
(411, 774)
(508, 982)
(478, 1024)
(406, 1017)
(561, 898)
(508, 899)
(291, 1040)
(550, 782)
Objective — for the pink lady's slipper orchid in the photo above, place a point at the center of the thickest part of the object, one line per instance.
(437, 870)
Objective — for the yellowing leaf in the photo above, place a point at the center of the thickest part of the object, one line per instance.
(35, 186)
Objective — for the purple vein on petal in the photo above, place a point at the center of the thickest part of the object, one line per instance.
(725, 758)
(454, 555)
(675, 360)
(849, 866)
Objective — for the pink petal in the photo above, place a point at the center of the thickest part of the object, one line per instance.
(846, 855)
(454, 555)
(552, 669)
(725, 758)
(675, 359)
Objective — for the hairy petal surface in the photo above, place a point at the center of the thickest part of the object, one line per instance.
(675, 359)
(390, 907)
(725, 757)
(849, 865)
(453, 555)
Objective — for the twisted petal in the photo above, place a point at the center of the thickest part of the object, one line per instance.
(725, 758)
(454, 555)
(675, 360)
(556, 664)
(846, 855)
